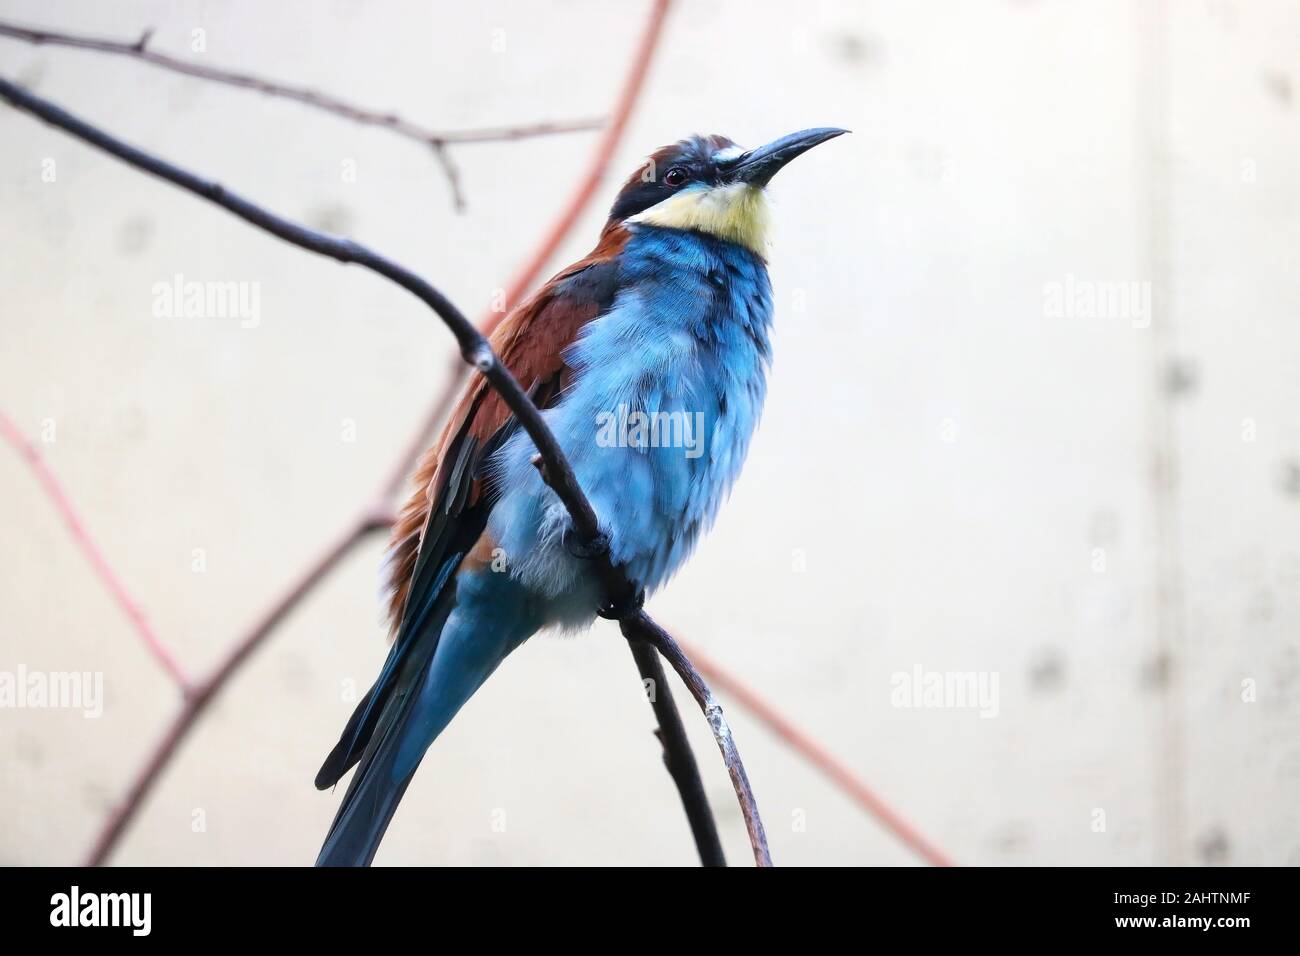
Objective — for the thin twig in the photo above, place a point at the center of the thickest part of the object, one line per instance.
(130, 607)
(679, 759)
(639, 626)
(435, 140)
(452, 172)
(325, 102)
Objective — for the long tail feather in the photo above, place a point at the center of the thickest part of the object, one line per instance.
(423, 629)
(454, 643)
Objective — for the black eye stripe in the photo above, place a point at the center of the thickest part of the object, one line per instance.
(656, 181)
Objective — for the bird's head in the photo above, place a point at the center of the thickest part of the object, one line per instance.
(709, 184)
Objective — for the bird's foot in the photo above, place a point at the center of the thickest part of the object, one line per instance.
(626, 606)
(585, 548)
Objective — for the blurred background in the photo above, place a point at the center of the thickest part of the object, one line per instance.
(1033, 417)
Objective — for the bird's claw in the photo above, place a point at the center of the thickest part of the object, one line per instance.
(628, 605)
(585, 548)
(597, 547)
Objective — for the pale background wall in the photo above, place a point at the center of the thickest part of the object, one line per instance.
(971, 484)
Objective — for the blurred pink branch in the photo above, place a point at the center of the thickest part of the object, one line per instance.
(834, 769)
(202, 694)
(54, 491)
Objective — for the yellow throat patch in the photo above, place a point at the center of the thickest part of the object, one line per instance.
(737, 212)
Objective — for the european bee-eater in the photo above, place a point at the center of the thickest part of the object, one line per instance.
(649, 360)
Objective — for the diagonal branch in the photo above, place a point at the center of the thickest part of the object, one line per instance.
(202, 694)
(436, 140)
(638, 626)
(474, 348)
(679, 760)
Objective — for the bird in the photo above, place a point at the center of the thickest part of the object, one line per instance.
(648, 359)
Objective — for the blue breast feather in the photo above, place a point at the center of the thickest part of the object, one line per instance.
(686, 337)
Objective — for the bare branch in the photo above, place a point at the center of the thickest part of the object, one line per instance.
(435, 140)
(679, 759)
(452, 172)
(639, 626)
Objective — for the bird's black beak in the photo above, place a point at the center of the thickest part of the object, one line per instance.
(758, 166)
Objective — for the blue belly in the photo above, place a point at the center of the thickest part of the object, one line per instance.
(665, 392)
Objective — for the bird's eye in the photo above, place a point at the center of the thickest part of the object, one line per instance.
(676, 176)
